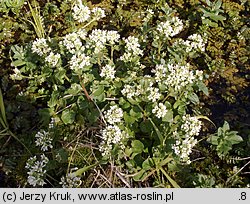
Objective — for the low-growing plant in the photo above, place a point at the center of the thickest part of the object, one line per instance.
(119, 99)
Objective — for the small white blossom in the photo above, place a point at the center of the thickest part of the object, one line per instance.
(133, 46)
(53, 59)
(40, 47)
(176, 76)
(191, 125)
(108, 72)
(82, 33)
(36, 173)
(98, 13)
(81, 13)
(44, 140)
(72, 42)
(112, 134)
(129, 91)
(113, 115)
(71, 181)
(154, 94)
(160, 110)
(184, 148)
(79, 61)
(170, 27)
(113, 37)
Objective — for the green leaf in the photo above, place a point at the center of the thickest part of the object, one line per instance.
(213, 140)
(168, 117)
(140, 175)
(235, 139)
(18, 63)
(148, 164)
(137, 146)
(53, 100)
(82, 103)
(128, 119)
(146, 126)
(60, 75)
(193, 98)
(225, 126)
(79, 172)
(217, 5)
(136, 113)
(210, 23)
(202, 87)
(98, 91)
(68, 116)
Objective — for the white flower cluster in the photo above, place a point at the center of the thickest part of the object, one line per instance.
(79, 61)
(176, 76)
(184, 148)
(53, 59)
(160, 110)
(72, 42)
(70, 181)
(43, 140)
(36, 170)
(194, 42)
(144, 89)
(82, 13)
(191, 127)
(98, 39)
(114, 115)
(112, 134)
(108, 72)
(132, 49)
(171, 27)
(40, 47)
(98, 13)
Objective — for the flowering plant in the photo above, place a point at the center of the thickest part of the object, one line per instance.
(137, 90)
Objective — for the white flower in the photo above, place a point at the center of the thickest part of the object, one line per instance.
(82, 33)
(53, 59)
(176, 76)
(44, 140)
(184, 148)
(112, 134)
(36, 173)
(81, 13)
(72, 42)
(71, 181)
(40, 46)
(108, 72)
(170, 27)
(133, 46)
(113, 37)
(79, 61)
(154, 94)
(113, 115)
(160, 110)
(98, 13)
(197, 42)
(129, 91)
(97, 40)
(191, 125)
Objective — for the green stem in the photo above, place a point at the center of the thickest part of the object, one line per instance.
(175, 185)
